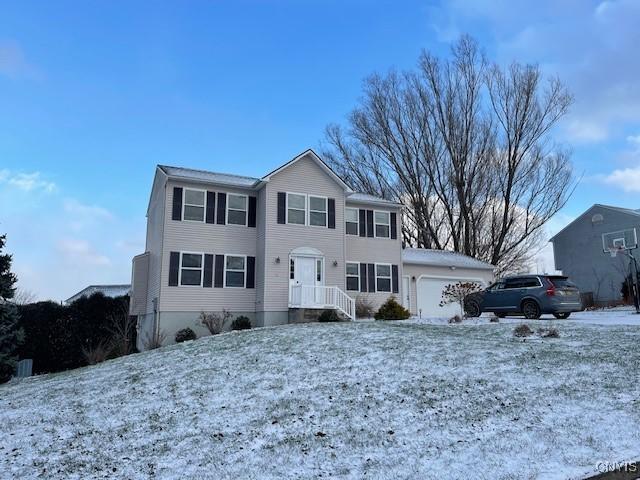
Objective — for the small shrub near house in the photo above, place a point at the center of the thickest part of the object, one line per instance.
(185, 335)
(455, 319)
(241, 323)
(329, 316)
(392, 310)
(551, 332)
(522, 330)
(215, 322)
(364, 307)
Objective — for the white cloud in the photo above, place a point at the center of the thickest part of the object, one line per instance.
(27, 182)
(81, 252)
(75, 208)
(628, 179)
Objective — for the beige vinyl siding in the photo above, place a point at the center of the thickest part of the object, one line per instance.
(307, 177)
(139, 284)
(376, 250)
(155, 233)
(185, 236)
(260, 249)
(417, 271)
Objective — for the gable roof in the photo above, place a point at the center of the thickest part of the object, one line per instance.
(627, 211)
(371, 199)
(210, 177)
(311, 154)
(442, 258)
(106, 290)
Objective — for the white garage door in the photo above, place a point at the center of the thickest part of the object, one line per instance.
(429, 291)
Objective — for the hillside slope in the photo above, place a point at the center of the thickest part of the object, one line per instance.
(378, 400)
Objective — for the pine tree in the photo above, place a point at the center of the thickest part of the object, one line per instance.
(10, 333)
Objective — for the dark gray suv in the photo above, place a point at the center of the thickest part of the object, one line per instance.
(528, 295)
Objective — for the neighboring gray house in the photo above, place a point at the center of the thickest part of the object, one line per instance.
(578, 251)
(107, 290)
(269, 248)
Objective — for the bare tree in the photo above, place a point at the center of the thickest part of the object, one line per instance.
(457, 292)
(24, 297)
(465, 146)
(121, 327)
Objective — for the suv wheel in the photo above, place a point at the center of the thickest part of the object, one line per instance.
(472, 309)
(531, 310)
(562, 316)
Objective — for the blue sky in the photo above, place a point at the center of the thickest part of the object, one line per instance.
(94, 94)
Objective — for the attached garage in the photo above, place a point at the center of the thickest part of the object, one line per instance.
(427, 272)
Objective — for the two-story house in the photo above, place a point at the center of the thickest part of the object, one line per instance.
(268, 248)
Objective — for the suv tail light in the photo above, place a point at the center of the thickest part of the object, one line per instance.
(551, 288)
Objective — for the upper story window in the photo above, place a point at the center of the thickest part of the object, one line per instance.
(193, 205)
(353, 276)
(351, 221)
(191, 269)
(296, 208)
(383, 277)
(317, 211)
(382, 224)
(236, 209)
(234, 270)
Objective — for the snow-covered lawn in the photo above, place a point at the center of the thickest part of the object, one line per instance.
(355, 400)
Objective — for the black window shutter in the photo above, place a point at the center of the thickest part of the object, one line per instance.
(394, 227)
(251, 220)
(218, 280)
(176, 213)
(362, 216)
(331, 217)
(371, 277)
(369, 223)
(211, 207)
(222, 209)
(363, 275)
(282, 201)
(251, 272)
(174, 265)
(394, 278)
(208, 270)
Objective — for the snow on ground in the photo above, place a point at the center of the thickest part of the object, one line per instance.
(386, 400)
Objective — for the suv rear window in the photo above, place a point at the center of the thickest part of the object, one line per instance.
(561, 282)
(523, 282)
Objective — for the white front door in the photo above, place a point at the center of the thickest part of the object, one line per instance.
(308, 273)
(406, 293)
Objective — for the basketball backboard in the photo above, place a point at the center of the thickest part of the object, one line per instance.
(620, 240)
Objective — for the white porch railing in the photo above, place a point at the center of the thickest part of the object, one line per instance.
(320, 296)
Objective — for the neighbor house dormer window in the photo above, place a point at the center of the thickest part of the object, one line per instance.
(194, 205)
(382, 224)
(236, 209)
(351, 221)
(296, 208)
(191, 269)
(317, 211)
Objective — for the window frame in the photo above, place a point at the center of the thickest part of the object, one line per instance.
(246, 210)
(180, 268)
(347, 275)
(357, 222)
(185, 204)
(375, 224)
(305, 209)
(244, 270)
(384, 276)
(326, 210)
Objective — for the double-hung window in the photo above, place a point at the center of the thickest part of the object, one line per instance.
(383, 278)
(191, 269)
(296, 208)
(317, 211)
(194, 202)
(383, 224)
(234, 271)
(236, 209)
(353, 276)
(351, 221)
